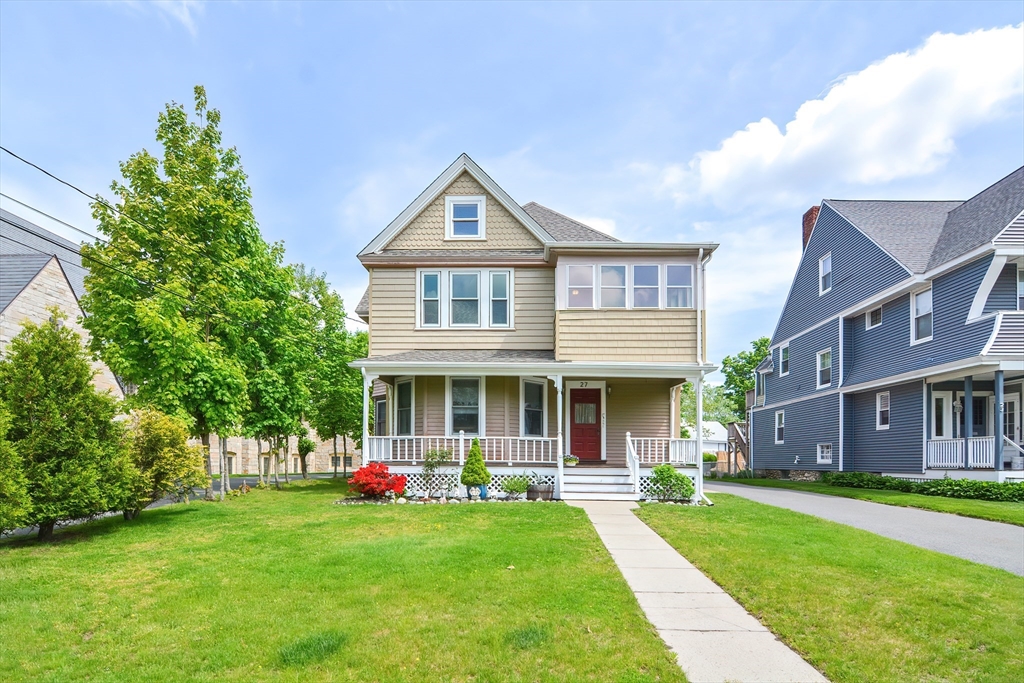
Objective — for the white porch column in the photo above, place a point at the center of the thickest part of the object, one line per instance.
(700, 434)
(366, 414)
(997, 452)
(557, 379)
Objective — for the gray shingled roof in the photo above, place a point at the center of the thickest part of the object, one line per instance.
(563, 228)
(19, 236)
(363, 307)
(468, 356)
(980, 218)
(16, 271)
(908, 230)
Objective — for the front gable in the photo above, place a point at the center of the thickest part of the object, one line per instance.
(428, 229)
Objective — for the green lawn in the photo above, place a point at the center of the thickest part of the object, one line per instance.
(285, 586)
(1011, 513)
(857, 606)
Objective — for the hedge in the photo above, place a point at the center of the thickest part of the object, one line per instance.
(950, 488)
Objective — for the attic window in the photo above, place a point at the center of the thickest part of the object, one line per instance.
(465, 217)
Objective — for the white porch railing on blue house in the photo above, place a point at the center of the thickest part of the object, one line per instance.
(948, 454)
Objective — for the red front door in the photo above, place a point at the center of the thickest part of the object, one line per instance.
(585, 423)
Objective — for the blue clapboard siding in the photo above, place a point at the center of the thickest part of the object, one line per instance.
(859, 269)
(849, 432)
(1003, 296)
(808, 423)
(885, 350)
(803, 364)
(897, 449)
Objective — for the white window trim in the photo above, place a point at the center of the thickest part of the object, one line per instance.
(867, 318)
(393, 427)
(913, 317)
(586, 384)
(878, 410)
(508, 298)
(818, 369)
(821, 273)
(947, 415)
(692, 287)
(377, 400)
(595, 289)
(660, 287)
(481, 201)
(820, 459)
(484, 296)
(788, 360)
(522, 406)
(776, 425)
(479, 298)
(448, 405)
(598, 294)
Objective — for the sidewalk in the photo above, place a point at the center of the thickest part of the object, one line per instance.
(714, 638)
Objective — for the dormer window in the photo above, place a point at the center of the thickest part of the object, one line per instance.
(465, 217)
(825, 274)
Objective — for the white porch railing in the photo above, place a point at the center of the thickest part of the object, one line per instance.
(496, 449)
(676, 451)
(982, 450)
(949, 453)
(633, 463)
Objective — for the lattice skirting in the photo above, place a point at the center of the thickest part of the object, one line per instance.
(416, 483)
(645, 484)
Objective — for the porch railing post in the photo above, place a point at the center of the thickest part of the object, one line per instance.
(462, 447)
(557, 379)
(997, 452)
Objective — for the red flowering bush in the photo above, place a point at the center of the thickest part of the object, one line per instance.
(375, 480)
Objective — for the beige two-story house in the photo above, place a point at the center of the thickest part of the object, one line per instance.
(536, 334)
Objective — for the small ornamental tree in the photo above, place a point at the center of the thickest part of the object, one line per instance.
(375, 480)
(165, 464)
(475, 472)
(14, 500)
(306, 446)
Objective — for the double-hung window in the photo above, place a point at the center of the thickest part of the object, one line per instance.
(824, 454)
(380, 417)
(882, 410)
(465, 217)
(465, 299)
(465, 405)
(825, 274)
(613, 286)
(921, 305)
(499, 299)
(403, 408)
(533, 408)
(645, 286)
(780, 426)
(873, 318)
(784, 361)
(1020, 288)
(430, 300)
(759, 388)
(824, 369)
(581, 286)
(679, 286)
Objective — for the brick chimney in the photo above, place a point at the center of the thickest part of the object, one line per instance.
(809, 217)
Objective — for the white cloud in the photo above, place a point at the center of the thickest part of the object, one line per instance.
(182, 11)
(605, 225)
(897, 118)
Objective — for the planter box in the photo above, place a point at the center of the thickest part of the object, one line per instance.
(540, 492)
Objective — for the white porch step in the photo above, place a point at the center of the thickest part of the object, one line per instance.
(590, 471)
(596, 479)
(590, 487)
(567, 495)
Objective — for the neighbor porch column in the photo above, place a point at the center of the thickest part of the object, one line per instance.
(998, 417)
(968, 419)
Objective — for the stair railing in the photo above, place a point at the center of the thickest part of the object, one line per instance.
(633, 463)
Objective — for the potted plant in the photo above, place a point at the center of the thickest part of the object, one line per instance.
(570, 460)
(474, 473)
(515, 486)
(710, 460)
(538, 490)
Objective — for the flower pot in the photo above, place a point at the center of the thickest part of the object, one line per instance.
(571, 463)
(540, 492)
(483, 491)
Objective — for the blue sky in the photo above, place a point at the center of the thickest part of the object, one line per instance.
(692, 121)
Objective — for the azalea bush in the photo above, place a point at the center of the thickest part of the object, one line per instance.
(375, 480)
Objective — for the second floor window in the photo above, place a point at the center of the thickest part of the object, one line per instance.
(465, 309)
(645, 286)
(922, 308)
(873, 318)
(824, 368)
(679, 290)
(581, 286)
(499, 299)
(825, 273)
(784, 360)
(448, 298)
(613, 286)
(430, 300)
(1020, 288)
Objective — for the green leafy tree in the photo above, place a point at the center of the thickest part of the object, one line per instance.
(165, 464)
(306, 446)
(739, 373)
(474, 472)
(718, 406)
(187, 261)
(74, 454)
(15, 503)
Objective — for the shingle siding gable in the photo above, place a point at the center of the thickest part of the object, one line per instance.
(860, 269)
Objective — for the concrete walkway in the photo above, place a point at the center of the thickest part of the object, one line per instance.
(714, 638)
(978, 540)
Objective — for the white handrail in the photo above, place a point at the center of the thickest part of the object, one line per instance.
(1013, 443)
(633, 463)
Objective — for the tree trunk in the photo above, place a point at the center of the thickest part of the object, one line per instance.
(273, 461)
(227, 469)
(335, 455)
(222, 460)
(205, 437)
(285, 457)
(303, 465)
(132, 514)
(344, 444)
(46, 530)
(259, 459)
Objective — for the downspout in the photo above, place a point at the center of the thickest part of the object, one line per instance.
(842, 398)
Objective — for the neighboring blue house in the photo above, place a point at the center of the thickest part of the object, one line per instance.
(904, 323)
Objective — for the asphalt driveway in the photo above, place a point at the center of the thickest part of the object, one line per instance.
(978, 540)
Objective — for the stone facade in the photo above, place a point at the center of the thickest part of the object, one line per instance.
(244, 456)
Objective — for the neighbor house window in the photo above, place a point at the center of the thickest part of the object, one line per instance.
(824, 368)
(403, 408)
(873, 318)
(1020, 288)
(759, 380)
(679, 286)
(533, 408)
(825, 273)
(465, 308)
(645, 286)
(780, 426)
(784, 360)
(465, 405)
(613, 286)
(824, 454)
(882, 410)
(922, 307)
(430, 300)
(465, 217)
(581, 286)
(499, 299)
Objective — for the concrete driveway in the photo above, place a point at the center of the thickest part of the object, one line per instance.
(992, 543)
